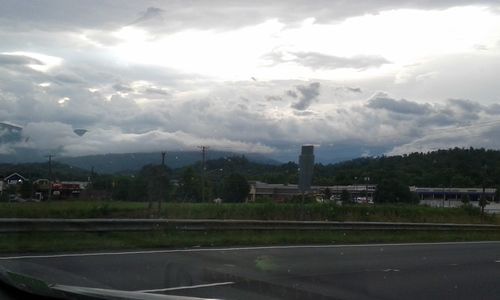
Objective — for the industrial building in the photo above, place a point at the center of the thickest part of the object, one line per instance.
(452, 197)
(282, 192)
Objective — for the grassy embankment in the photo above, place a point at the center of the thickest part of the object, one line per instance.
(59, 242)
(47, 242)
(258, 211)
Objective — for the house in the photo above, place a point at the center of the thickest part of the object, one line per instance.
(14, 179)
(60, 189)
(68, 189)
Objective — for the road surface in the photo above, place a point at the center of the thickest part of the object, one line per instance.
(404, 271)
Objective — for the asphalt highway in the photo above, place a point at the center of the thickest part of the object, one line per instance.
(405, 271)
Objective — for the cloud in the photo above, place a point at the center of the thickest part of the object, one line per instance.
(274, 98)
(216, 14)
(307, 94)
(11, 59)
(68, 78)
(10, 133)
(354, 90)
(156, 91)
(60, 138)
(129, 106)
(291, 93)
(304, 113)
(151, 13)
(466, 105)
(382, 101)
(315, 60)
(122, 87)
(217, 118)
(321, 61)
(493, 109)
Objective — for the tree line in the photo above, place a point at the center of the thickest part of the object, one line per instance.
(228, 177)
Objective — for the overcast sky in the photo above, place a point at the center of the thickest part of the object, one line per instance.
(356, 77)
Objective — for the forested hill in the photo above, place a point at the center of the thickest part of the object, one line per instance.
(35, 171)
(446, 168)
(443, 168)
(133, 162)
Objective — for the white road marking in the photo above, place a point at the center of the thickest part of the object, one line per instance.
(238, 249)
(186, 287)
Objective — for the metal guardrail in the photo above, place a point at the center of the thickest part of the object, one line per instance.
(12, 225)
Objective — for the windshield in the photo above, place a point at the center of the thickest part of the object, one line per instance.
(250, 149)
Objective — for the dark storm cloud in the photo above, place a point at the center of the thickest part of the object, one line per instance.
(308, 93)
(381, 101)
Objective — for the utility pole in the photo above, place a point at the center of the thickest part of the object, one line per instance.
(203, 167)
(162, 188)
(91, 182)
(49, 197)
(482, 199)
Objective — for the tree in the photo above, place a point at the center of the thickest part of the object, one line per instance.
(26, 189)
(392, 190)
(235, 188)
(130, 188)
(189, 186)
(327, 193)
(157, 181)
(465, 200)
(461, 181)
(345, 197)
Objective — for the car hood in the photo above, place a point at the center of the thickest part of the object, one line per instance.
(34, 286)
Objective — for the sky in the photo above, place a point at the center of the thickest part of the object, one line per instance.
(354, 78)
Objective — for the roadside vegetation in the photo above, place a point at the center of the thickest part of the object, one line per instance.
(79, 241)
(246, 211)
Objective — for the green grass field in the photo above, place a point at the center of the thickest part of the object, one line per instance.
(81, 241)
(258, 211)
